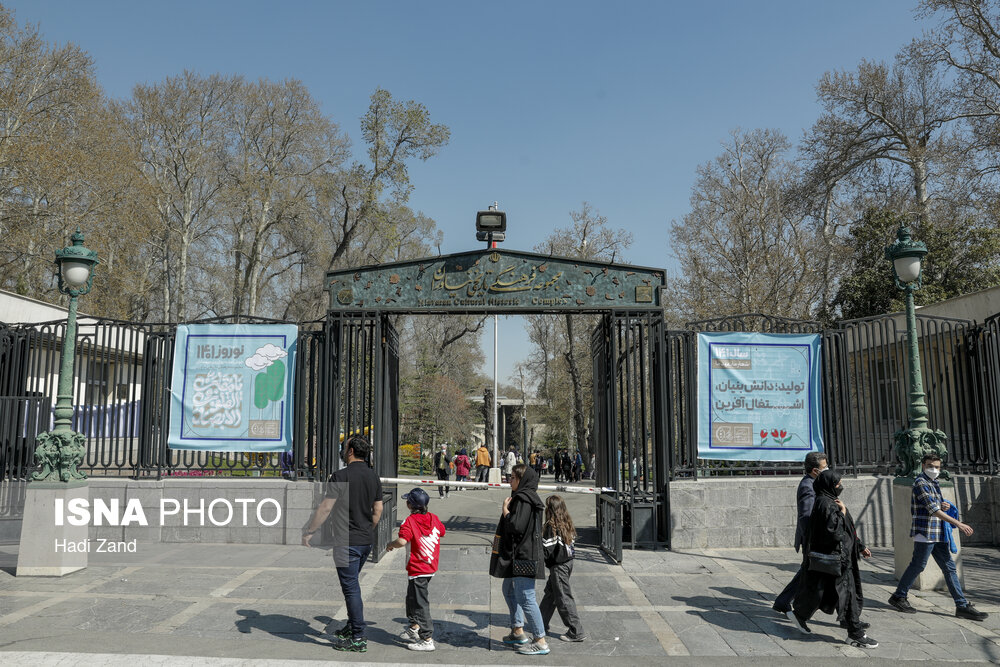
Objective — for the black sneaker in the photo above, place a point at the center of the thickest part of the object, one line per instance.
(780, 610)
(901, 604)
(862, 641)
(861, 624)
(798, 622)
(567, 637)
(352, 644)
(343, 633)
(971, 613)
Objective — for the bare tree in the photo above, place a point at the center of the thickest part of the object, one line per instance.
(746, 245)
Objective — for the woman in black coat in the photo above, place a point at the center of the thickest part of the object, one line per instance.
(519, 560)
(831, 531)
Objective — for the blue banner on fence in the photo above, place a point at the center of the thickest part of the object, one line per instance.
(232, 387)
(758, 396)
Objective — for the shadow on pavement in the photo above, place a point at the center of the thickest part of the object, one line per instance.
(278, 625)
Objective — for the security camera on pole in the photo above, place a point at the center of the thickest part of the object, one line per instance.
(491, 227)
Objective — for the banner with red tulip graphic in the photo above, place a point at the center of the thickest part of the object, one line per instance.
(758, 396)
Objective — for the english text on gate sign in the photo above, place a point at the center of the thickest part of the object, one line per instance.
(758, 397)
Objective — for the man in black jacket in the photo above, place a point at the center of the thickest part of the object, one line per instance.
(805, 497)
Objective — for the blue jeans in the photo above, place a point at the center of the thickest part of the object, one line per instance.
(348, 575)
(519, 592)
(922, 551)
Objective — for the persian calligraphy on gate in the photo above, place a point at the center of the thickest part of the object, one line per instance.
(496, 280)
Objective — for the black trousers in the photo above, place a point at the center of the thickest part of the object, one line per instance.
(559, 596)
(418, 606)
(784, 599)
(443, 476)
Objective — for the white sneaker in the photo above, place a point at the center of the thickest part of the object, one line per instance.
(409, 634)
(425, 645)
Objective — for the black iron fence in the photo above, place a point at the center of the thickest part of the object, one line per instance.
(347, 374)
(864, 380)
(122, 380)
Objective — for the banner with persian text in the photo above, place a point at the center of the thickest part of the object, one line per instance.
(758, 396)
(232, 387)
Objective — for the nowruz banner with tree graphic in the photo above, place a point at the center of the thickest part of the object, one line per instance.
(232, 387)
(758, 396)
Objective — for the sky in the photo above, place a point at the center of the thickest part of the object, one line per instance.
(550, 104)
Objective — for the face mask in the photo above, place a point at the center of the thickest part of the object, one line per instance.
(837, 490)
(932, 472)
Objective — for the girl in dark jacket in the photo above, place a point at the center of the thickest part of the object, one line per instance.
(518, 560)
(558, 540)
(831, 531)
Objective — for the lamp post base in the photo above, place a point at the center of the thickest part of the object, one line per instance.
(47, 549)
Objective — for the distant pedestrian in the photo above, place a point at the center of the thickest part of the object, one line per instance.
(518, 559)
(930, 512)
(558, 541)
(592, 468)
(355, 491)
(443, 466)
(483, 462)
(463, 464)
(805, 497)
(577, 466)
(557, 464)
(422, 531)
(509, 461)
(832, 533)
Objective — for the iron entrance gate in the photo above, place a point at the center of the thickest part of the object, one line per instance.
(364, 375)
(629, 431)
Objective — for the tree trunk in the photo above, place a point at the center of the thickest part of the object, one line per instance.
(579, 418)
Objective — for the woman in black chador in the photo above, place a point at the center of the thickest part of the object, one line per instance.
(831, 531)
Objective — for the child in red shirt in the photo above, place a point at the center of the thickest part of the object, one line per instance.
(422, 531)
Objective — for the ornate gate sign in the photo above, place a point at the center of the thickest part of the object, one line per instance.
(497, 281)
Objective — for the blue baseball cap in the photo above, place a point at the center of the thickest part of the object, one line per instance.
(417, 497)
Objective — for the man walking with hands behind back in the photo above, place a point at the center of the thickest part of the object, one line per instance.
(356, 492)
(805, 497)
(929, 510)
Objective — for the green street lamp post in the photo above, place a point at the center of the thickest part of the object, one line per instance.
(61, 450)
(914, 442)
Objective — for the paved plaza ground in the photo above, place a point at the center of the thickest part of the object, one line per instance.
(223, 605)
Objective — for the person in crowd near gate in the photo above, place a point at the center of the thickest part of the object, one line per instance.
(578, 466)
(443, 466)
(518, 559)
(483, 462)
(558, 538)
(567, 466)
(509, 461)
(592, 468)
(463, 464)
(929, 511)
(539, 463)
(805, 496)
(557, 464)
(532, 457)
(422, 531)
(360, 489)
(832, 583)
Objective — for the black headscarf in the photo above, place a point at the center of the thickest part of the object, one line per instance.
(826, 483)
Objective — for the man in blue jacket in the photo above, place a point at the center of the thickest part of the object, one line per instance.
(804, 498)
